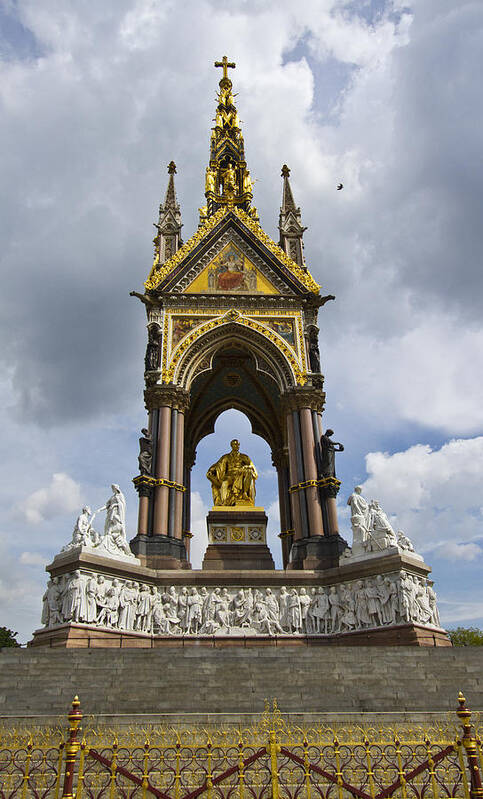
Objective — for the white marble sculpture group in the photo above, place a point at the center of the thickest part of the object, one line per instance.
(103, 601)
(100, 600)
(113, 542)
(371, 529)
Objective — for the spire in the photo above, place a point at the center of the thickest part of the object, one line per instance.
(168, 236)
(290, 223)
(227, 181)
(288, 203)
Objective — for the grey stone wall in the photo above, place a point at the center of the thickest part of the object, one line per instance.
(236, 680)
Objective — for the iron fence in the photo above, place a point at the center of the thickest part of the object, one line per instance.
(272, 759)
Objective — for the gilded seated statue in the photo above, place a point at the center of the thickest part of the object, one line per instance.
(232, 478)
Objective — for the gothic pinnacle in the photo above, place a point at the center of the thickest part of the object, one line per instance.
(227, 180)
(168, 227)
(290, 222)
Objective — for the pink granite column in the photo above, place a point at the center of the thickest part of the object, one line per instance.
(161, 495)
(284, 523)
(143, 514)
(310, 465)
(178, 499)
(294, 496)
(331, 503)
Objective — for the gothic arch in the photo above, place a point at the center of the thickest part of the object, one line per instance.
(271, 356)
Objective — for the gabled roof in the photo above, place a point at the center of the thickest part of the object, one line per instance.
(165, 276)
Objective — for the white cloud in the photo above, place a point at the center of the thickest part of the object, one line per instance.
(417, 375)
(62, 495)
(452, 551)
(32, 559)
(456, 613)
(434, 495)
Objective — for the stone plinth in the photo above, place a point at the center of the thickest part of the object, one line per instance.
(237, 539)
(82, 636)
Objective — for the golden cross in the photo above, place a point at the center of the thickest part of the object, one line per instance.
(225, 64)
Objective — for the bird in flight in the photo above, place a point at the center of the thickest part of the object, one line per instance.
(340, 186)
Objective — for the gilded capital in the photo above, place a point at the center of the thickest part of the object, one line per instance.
(304, 397)
(166, 396)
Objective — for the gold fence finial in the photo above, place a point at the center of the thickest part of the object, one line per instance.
(471, 748)
(72, 746)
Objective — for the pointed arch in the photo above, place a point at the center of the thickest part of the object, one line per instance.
(271, 355)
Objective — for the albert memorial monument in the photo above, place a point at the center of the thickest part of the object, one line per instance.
(232, 322)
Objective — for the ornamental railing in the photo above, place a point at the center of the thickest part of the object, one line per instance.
(273, 759)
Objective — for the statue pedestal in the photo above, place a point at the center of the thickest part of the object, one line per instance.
(237, 539)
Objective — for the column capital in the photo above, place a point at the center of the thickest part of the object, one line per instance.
(303, 397)
(170, 396)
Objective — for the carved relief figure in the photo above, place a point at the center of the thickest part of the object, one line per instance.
(294, 614)
(232, 478)
(321, 611)
(90, 614)
(99, 600)
(73, 598)
(51, 613)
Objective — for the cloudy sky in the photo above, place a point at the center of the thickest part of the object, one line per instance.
(95, 99)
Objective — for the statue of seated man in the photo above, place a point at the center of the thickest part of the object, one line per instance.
(232, 478)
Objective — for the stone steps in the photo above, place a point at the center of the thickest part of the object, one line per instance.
(237, 680)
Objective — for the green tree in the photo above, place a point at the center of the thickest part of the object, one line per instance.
(466, 636)
(7, 637)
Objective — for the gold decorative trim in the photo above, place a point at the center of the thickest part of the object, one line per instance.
(214, 313)
(329, 482)
(324, 482)
(154, 482)
(234, 316)
(303, 276)
(158, 274)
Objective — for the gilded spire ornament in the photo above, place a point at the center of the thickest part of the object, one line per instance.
(228, 183)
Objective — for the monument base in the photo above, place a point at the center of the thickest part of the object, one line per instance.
(94, 601)
(237, 539)
(82, 636)
(222, 557)
(317, 552)
(160, 552)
